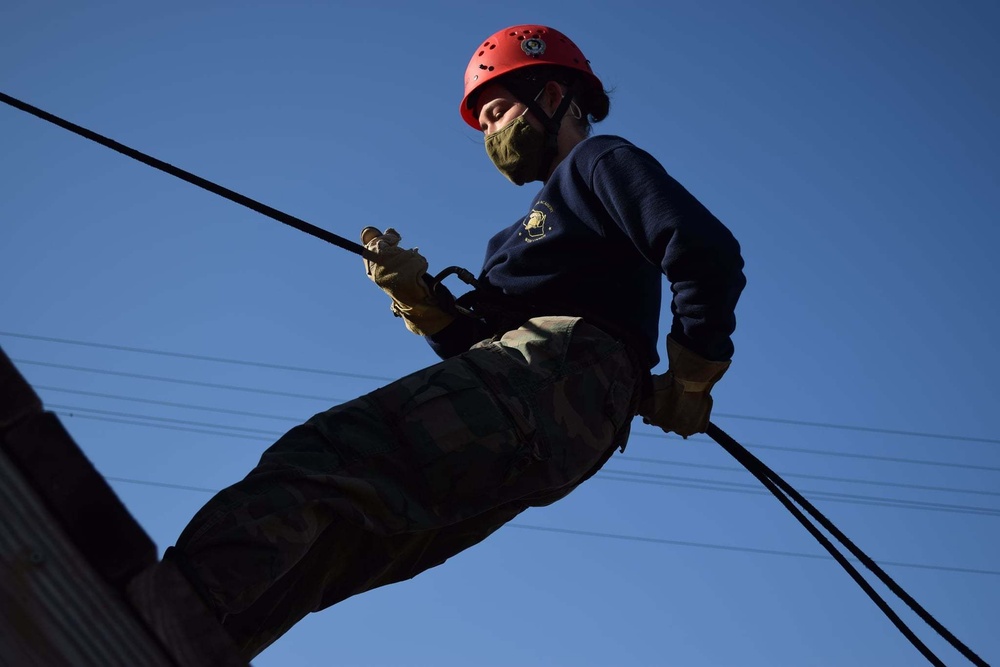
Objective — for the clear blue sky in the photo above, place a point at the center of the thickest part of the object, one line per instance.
(852, 147)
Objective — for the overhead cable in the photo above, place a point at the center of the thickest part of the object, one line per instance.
(381, 378)
(292, 420)
(864, 429)
(635, 433)
(824, 478)
(829, 496)
(197, 357)
(169, 404)
(785, 494)
(626, 476)
(827, 452)
(195, 383)
(630, 538)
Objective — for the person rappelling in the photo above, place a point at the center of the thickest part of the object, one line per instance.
(544, 365)
(529, 401)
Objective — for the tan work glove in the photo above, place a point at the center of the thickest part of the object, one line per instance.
(400, 274)
(681, 401)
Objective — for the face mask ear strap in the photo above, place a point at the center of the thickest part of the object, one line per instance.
(551, 123)
(565, 104)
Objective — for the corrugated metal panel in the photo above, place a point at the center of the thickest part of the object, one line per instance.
(53, 609)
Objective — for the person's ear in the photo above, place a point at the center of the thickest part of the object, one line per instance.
(552, 95)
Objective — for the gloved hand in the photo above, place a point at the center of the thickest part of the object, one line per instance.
(680, 401)
(400, 274)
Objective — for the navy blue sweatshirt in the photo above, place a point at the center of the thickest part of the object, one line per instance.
(599, 236)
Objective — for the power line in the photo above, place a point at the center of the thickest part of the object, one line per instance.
(301, 369)
(159, 378)
(163, 426)
(163, 485)
(294, 420)
(197, 357)
(240, 436)
(650, 478)
(864, 429)
(630, 538)
(341, 242)
(825, 452)
(825, 478)
(637, 434)
(73, 409)
(170, 404)
(715, 486)
(657, 540)
(833, 496)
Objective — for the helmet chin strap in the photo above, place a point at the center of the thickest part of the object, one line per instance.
(550, 124)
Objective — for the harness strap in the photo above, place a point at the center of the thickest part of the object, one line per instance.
(502, 312)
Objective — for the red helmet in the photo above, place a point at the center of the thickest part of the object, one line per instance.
(518, 47)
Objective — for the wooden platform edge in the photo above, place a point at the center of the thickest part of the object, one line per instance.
(79, 580)
(54, 608)
(78, 496)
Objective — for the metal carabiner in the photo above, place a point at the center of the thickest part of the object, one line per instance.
(444, 296)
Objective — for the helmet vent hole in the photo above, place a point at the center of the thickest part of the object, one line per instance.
(492, 46)
(482, 67)
(490, 68)
(481, 53)
(486, 44)
(521, 37)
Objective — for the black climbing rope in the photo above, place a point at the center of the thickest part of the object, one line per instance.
(781, 489)
(203, 183)
(786, 494)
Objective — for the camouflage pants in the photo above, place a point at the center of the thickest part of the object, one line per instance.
(381, 488)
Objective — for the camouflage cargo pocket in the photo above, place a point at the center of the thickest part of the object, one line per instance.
(463, 447)
(565, 377)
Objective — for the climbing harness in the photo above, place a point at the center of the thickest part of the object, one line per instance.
(482, 303)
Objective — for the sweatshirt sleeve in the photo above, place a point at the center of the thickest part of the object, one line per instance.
(457, 337)
(672, 229)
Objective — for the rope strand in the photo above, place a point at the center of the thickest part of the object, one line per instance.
(779, 487)
(193, 179)
(783, 491)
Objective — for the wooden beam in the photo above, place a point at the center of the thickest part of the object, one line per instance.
(79, 579)
(54, 609)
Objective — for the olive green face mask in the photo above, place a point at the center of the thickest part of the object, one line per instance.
(517, 150)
